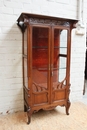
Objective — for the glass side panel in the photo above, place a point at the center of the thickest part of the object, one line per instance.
(25, 42)
(59, 62)
(63, 42)
(25, 73)
(40, 40)
(62, 68)
(63, 38)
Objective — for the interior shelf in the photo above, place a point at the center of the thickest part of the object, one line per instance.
(38, 47)
(44, 69)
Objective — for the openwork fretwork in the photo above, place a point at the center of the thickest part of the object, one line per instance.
(38, 88)
(60, 85)
(48, 22)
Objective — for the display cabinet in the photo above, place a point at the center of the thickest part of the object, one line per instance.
(46, 48)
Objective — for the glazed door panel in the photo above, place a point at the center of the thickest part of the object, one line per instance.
(58, 64)
(40, 65)
(49, 64)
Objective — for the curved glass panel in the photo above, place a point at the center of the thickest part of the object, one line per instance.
(60, 55)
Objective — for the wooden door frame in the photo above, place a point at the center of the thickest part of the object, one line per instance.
(67, 58)
(30, 27)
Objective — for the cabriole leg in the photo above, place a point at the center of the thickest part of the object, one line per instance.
(29, 113)
(67, 107)
(29, 120)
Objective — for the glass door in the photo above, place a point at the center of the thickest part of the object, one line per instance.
(58, 64)
(40, 64)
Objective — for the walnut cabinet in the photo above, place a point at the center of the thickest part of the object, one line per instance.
(46, 48)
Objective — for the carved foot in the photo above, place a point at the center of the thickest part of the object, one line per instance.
(29, 113)
(29, 120)
(67, 107)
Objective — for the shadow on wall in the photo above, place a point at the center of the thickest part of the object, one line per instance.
(11, 92)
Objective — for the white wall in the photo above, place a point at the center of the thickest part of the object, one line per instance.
(77, 65)
(11, 92)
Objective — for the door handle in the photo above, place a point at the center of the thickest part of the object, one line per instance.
(52, 73)
(52, 70)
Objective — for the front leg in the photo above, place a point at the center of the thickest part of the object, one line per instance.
(67, 107)
(29, 113)
(29, 120)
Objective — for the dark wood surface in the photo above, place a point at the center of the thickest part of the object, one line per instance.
(41, 62)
